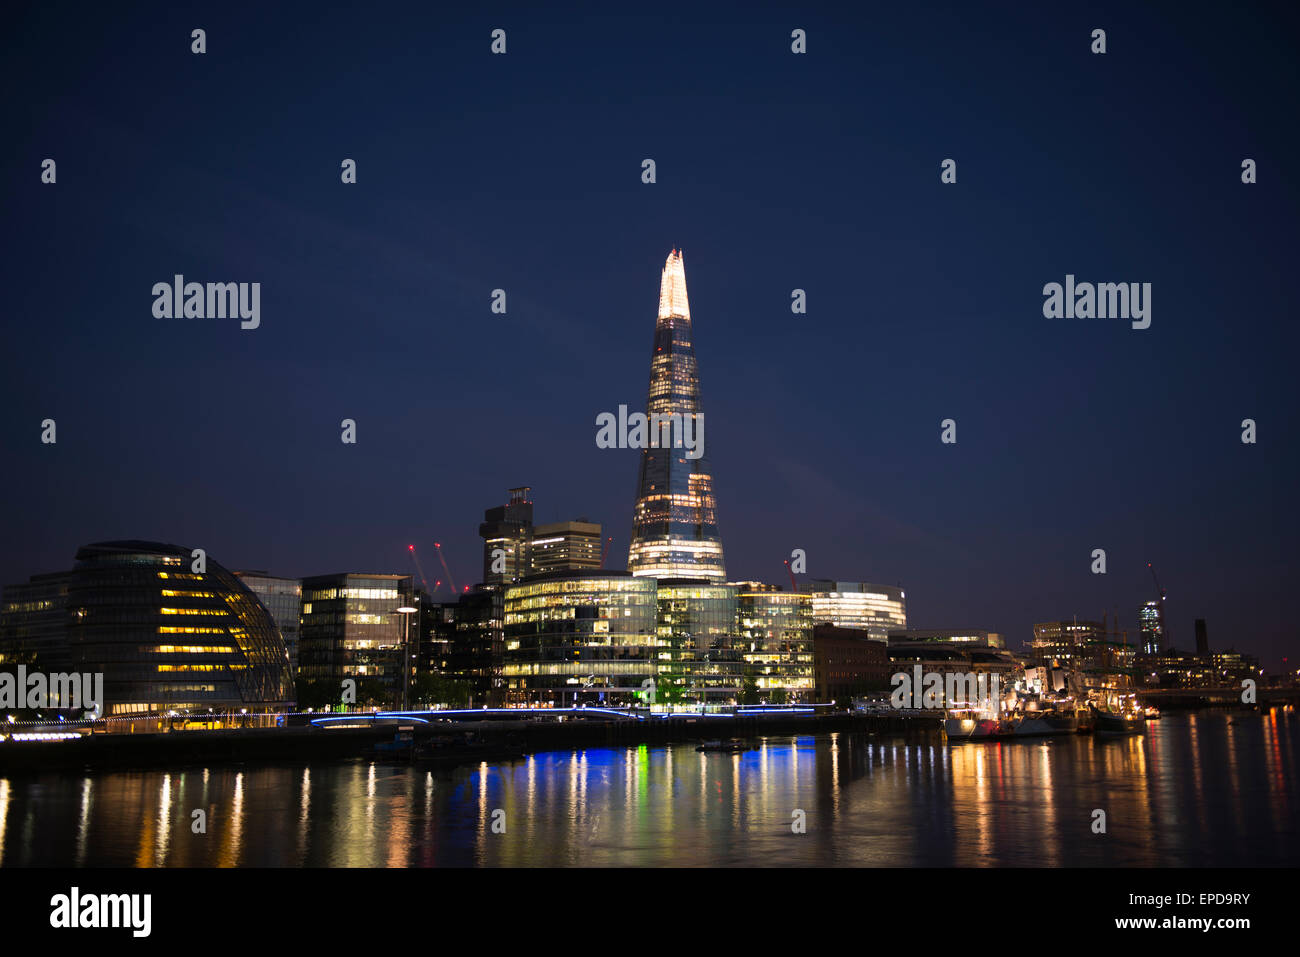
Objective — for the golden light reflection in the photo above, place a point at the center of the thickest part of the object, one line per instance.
(83, 822)
(4, 815)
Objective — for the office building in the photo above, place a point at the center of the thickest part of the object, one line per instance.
(34, 623)
(166, 637)
(282, 597)
(697, 641)
(875, 609)
(774, 635)
(506, 532)
(848, 663)
(1152, 627)
(351, 629)
(580, 636)
(564, 546)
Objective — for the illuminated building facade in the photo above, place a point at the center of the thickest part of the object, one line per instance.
(697, 639)
(584, 636)
(351, 629)
(564, 546)
(875, 609)
(1066, 641)
(774, 636)
(167, 637)
(283, 599)
(1152, 625)
(674, 523)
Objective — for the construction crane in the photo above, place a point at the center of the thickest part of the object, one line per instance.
(416, 558)
(790, 569)
(446, 569)
(605, 551)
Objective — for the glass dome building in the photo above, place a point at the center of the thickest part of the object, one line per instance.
(168, 637)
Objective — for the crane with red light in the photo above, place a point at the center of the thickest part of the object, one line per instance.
(442, 559)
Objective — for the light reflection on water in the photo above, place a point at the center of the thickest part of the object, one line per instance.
(1197, 790)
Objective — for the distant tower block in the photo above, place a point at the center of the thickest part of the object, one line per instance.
(1202, 639)
(507, 529)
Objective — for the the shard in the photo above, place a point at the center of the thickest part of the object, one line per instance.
(674, 525)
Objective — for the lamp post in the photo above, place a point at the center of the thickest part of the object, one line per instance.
(406, 611)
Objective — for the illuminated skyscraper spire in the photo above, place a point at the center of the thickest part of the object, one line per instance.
(674, 524)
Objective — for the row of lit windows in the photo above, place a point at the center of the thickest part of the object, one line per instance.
(29, 606)
(582, 668)
(328, 594)
(189, 649)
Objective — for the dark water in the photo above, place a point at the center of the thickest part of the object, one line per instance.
(1197, 790)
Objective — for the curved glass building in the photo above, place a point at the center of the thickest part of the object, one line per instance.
(167, 637)
(571, 633)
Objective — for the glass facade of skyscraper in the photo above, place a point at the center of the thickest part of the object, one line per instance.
(1152, 625)
(579, 635)
(674, 525)
(774, 632)
(697, 638)
(351, 629)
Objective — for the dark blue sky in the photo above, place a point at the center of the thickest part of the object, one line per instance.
(775, 171)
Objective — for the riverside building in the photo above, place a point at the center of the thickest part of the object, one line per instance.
(580, 636)
(351, 628)
(875, 609)
(775, 638)
(164, 636)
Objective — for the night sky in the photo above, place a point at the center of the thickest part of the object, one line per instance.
(775, 171)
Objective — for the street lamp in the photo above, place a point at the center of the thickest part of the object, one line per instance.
(406, 611)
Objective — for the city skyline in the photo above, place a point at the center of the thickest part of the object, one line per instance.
(924, 300)
(675, 389)
(350, 527)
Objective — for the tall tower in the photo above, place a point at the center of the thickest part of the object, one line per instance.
(506, 531)
(674, 524)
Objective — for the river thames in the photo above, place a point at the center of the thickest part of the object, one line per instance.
(1201, 789)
